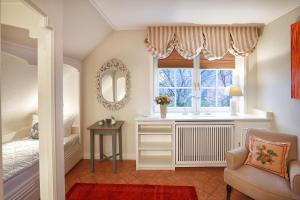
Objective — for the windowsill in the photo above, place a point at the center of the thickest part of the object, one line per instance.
(218, 110)
(204, 113)
(216, 116)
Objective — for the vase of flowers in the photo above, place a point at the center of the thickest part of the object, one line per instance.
(163, 101)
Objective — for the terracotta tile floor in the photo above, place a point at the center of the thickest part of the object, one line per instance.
(208, 182)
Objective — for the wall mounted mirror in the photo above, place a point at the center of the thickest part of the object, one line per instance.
(113, 83)
(113, 86)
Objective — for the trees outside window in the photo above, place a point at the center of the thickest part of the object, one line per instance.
(177, 84)
(192, 88)
(213, 88)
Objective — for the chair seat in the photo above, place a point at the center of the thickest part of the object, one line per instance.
(259, 184)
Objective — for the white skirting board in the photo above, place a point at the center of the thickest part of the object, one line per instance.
(125, 156)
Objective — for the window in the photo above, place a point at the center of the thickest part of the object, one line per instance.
(194, 85)
(213, 88)
(177, 84)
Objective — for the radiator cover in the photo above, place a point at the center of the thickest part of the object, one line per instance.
(203, 144)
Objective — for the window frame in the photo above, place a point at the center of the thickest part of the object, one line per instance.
(196, 85)
(172, 109)
(213, 109)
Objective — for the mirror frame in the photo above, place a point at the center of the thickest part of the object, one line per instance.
(115, 65)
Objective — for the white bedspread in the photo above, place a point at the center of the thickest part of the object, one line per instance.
(18, 156)
(22, 154)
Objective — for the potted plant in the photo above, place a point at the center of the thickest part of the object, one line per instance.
(163, 101)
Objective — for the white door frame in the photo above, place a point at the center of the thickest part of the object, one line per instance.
(50, 106)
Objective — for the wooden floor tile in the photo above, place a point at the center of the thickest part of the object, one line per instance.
(208, 182)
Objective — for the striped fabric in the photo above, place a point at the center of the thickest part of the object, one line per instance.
(244, 40)
(189, 41)
(217, 41)
(160, 40)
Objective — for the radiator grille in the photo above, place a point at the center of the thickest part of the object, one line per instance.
(203, 145)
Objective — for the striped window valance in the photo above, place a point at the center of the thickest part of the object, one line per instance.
(175, 60)
(214, 41)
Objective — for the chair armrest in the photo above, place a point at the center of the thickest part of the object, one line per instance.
(294, 172)
(236, 157)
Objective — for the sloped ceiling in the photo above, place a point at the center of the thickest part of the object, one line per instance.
(138, 14)
(16, 41)
(84, 28)
(17, 35)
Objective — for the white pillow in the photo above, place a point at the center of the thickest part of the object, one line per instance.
(35, 127)
(35, 117)
(68, 122)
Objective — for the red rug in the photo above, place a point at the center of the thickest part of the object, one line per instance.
(87, 191)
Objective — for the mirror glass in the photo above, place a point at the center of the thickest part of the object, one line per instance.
(113, 85)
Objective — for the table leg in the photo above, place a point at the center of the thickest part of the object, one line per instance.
(101, 146)
(114, 140)
(120, 145)
(92, 150)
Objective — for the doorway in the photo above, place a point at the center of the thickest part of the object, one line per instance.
(25, 15)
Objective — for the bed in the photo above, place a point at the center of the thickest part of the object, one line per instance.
(21, 166)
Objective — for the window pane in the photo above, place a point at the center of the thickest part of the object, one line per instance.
(184, 77)
(208, 78)
(208, 97)
(223, 100)
(224, 78)
(184, 98)
(166, 78)
(170, 93)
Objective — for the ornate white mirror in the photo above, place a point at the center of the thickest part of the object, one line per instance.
(113, 81)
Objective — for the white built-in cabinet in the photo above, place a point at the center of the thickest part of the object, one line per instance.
(155, 145)
(164, 144)
(242, 126)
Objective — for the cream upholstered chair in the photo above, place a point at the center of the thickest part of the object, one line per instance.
(259, 184)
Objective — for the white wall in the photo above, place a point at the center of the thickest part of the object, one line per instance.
(25, 52)
(250, 93)
(274, 74)
(19, 94)
(70, 90)
(129, 47)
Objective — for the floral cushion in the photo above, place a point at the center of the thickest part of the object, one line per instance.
(268, 156)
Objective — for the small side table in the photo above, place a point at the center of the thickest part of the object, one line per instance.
(101, 130)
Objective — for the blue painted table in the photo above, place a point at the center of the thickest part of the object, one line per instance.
(104, 130)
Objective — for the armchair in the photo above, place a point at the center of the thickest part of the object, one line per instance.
(259, 184)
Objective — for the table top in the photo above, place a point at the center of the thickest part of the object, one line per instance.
(106, 126)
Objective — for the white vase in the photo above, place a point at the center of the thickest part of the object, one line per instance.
(163, 111)
(233, 106)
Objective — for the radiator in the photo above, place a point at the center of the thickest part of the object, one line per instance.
(203, 145)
